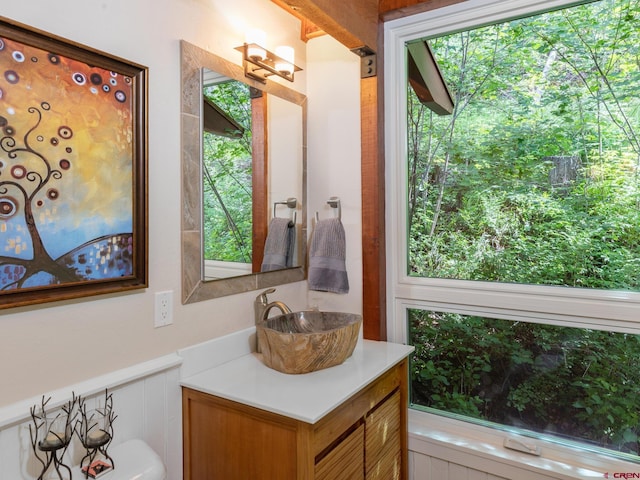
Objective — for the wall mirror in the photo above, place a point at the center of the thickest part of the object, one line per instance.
(269, 171)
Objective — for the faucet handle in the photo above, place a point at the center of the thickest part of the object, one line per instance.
(262, 298)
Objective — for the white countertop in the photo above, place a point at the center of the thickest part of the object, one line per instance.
(306, 397)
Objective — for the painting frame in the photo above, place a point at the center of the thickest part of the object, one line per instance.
(119, 90)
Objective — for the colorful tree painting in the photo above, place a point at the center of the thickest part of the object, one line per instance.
(67, 150)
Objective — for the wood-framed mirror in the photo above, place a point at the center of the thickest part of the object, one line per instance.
(197, 65)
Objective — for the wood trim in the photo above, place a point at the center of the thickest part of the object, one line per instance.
(304, 458)
(308, 29)
(404, 417)
(352, 23)
(392, 9)
(186, 437)
(374, 272)
(260, 179)
(373, 191)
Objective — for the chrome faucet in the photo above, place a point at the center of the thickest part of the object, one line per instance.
(263, 307)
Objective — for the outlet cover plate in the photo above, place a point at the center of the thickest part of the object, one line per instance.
(163, 313)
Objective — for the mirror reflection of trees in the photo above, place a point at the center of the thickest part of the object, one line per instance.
(207, 279)
(227, 167)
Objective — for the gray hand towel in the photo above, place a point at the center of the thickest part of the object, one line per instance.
(327, 269)
(279, 246)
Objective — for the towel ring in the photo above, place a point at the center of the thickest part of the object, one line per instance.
(334, 202)
(291, 203)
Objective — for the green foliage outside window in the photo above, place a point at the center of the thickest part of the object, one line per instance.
(570, 383)
(534, 179)
(555, 91)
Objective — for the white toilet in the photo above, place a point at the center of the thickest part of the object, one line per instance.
(134, 460)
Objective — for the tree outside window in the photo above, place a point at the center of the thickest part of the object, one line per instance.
(533, 180)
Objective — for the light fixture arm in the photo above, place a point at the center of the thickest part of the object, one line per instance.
(260, 69)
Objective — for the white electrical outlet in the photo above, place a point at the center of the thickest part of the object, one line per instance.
(163, 309)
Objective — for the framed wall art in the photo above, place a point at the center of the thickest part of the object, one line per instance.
(73, 169)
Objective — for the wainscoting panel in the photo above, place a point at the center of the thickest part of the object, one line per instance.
(146, 400)
(424, 467)
(432, 461)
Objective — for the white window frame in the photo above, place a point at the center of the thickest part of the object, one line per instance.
(597, 309)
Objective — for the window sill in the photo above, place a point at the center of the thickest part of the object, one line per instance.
(482, 449)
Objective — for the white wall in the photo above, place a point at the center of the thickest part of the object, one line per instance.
(333, 88)
(148, 32)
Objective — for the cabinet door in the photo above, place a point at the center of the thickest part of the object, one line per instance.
(383, 450)
(345, 461)
(228, 441)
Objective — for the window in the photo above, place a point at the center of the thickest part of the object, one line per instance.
(571, 383)
(513, 224)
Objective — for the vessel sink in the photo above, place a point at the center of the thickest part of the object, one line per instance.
(303, 342)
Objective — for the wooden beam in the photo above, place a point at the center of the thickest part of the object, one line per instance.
(392, 9)
(308, 29)
(373, 226)
(374, 272)
(354, 23)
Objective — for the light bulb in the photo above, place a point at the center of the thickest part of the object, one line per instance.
(285, 63)
(254, 39)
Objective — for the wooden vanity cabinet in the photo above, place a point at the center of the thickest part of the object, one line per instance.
(363, 438)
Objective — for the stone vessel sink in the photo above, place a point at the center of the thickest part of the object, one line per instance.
(303, 342)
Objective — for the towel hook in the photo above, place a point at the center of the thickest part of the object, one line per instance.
(291, 203)
(334, 202)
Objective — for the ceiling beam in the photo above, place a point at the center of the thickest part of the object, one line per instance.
(308, 29)
(354, 23)
(392, 9)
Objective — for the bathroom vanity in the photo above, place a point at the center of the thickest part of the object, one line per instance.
(242, 419)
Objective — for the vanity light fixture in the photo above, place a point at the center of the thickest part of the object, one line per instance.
(259, 63)
(254, 39)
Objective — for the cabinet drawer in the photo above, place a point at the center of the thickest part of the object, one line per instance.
(383, 440)
(345, 461)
